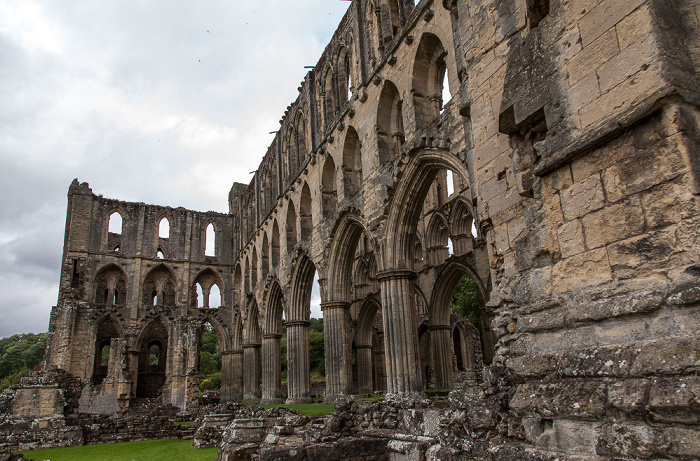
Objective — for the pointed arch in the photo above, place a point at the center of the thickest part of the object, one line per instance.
(209, 234)
(274, 301)
(211, 284)
(302, 280)
(265, 256)
(107, 329)
(305, 217)
(352, 163)
(159, 287)
(437, 239)
(115, 222)
(329, 97)
(390, 134)
(407, 203)
(461, 224)
(429, 70)
(329, 190)
(153, 340)
(275, 244)
(238, 288)
(164, 227)
(291, 226)
(342, 251)
(301, 133)
(254, 262)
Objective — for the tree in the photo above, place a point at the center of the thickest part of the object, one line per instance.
(465, 301)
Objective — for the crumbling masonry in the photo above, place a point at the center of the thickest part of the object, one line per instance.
(562, 176)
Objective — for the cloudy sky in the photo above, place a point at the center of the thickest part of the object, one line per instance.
(160, 102)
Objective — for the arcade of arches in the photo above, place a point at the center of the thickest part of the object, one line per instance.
(544, 157)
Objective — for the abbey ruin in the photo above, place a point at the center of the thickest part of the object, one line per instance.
(547, 150)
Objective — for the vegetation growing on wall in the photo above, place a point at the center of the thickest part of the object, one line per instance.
(18, 355)
(209, 360)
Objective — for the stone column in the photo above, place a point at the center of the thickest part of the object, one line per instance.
(298, 380)
(400, 335)
(237, 375)
(338, 353)
(363, 355)
(441, 355)
(251, 373)
(271, 369)
(226, 376)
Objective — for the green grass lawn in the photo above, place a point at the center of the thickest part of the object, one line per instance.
(147, 450)
(308, 409)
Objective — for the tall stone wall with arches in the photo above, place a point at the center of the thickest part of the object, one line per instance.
(546, 150)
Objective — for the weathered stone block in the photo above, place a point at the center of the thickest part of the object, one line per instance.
(579, 271)
(582, 197)
(613, 223)
(571, 241)
(566, 398)
(675, 399)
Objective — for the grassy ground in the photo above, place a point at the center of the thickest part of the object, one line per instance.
(148, 450)
(309, 409)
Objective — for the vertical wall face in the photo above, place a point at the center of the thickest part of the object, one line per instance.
(546, 150)
(129, 270)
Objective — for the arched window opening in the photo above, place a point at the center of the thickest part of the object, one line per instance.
(152, 361)
(215, 296)
(254, 269)
(120, 292)
(117, 249)
(395, 18)
(390, 132)
(473, 229)
(101, 291)
(154, 354)
(438, 240)
(209, 362)
(450, 247)
(300, 133)
(467, 304)
(275, 244)
(328, 188)
(352, 163)
(328, 98)
(199, 295)
(210, 241)
(237, 285)
(429, 73)
(154, 298)
(373, 37)
(317, 362)
(164, 228)
(115, 223)
(291, 227)
(265, 253)
(446, 94)
(450, 183)
(305, 212)
(159, 254)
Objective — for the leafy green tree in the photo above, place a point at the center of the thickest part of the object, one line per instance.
(18, 355)
(465, 301)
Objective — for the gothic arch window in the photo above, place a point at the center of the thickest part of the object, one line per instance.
(291, 152)
(210, 240)
(390, 17)
(437, 239)
(265, 256)
(390, 132)
(301, 138)
(115, 223)
(329, 99)
(120, 292)
(352, 163)
(110, 287)
(254, 262)
(345, 81)
(164, 228)
(329, 191)
(291, 226)
(429, 70)
(305, 212)
(373, 38)
(275, 244)
(237, 284)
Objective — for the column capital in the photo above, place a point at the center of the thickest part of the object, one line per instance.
(271, 336)
(439, 327)
(394, 274)
(250, 345)
(237, 352)
(335, 305)
(296, 323)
